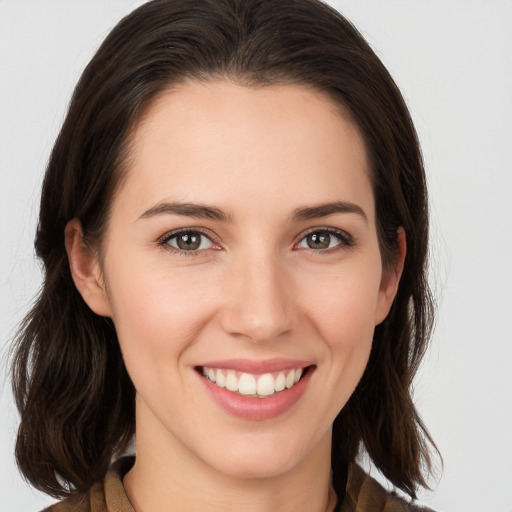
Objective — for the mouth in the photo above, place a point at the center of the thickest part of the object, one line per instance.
(256, 389)
(255, 385)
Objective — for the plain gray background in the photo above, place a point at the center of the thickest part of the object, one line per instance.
(452, 60)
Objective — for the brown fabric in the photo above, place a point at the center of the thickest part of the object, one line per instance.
(106, 496)
(363, 494)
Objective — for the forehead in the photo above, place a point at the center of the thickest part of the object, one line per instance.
(219, 141)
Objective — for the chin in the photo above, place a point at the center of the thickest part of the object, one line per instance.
(257, 467)
(264, 456)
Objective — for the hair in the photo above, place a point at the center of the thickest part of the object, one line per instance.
(73, 392)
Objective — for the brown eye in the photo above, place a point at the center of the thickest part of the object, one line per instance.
(320, 240)
(189, 241)
(323, 239)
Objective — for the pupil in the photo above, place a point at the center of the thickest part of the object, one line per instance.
(189, 241)
(319, 240)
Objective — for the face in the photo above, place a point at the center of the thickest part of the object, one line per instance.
(243, 273)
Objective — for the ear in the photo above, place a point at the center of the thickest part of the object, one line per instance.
(85, 270)
(390, 279)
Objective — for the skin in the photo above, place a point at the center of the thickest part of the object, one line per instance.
(253, 290)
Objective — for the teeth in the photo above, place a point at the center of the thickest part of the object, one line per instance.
(253, 385)
(290, 379)
(231, 382)
(247, 384)
(280, 382)
(265, 385)
(220, 379)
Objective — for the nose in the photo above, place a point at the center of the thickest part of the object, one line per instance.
(260, 304)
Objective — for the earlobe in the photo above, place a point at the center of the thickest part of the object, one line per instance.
(391, 279)
(85, 270)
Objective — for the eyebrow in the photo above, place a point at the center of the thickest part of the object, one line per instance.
(326, 209)
(201, 211)
(196, 210)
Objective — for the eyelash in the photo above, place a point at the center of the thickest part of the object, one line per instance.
(345, 240)
(163, 242)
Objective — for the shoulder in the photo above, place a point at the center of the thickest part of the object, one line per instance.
(365, 494)
(106, 496)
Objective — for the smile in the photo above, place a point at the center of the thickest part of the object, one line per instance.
(256, 390)
(254, 385)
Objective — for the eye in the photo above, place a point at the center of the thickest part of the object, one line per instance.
(324, 239)
(187, 240)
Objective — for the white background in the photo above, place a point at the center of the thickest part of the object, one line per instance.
(453, 61)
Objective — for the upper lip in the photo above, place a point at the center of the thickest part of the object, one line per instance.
(257, 366)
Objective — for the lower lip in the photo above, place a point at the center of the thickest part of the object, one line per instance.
(254, 408)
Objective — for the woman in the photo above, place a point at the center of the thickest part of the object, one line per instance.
(234, 230)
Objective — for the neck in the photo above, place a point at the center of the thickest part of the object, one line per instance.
(167, 476)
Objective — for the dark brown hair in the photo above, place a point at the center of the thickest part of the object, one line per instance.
(72, 390)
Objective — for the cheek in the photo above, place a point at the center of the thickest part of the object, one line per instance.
(342, 309)
(342, 305)
(157, 313)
